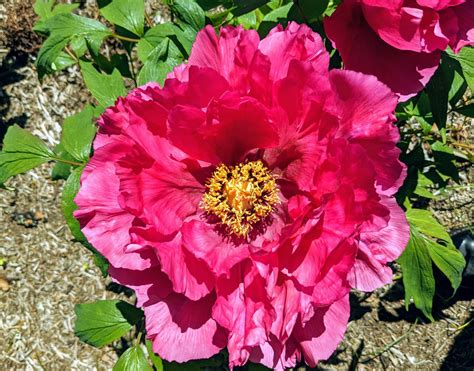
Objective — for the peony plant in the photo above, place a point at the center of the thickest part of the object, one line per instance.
(246, 183)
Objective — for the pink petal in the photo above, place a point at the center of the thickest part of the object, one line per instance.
(378, 248)
(230, 53)
(464, 15)
(182, 330)
(296, 42)
(366, 108)
(405, 72)
(320, 336)
(219, 252)
(206, 136)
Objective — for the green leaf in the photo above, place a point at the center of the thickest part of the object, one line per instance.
(101, 322)
(422, 251)
(63, 28)
(133, 360)
(438, 93)
(417, 270)
(105, 88)
(61, 170)
(449, 261)
(128, 14)
(159, 63)
(312, 10)
(155, 35)
(44, 8)
(466, 59)
(273, 18)
(157, 362)
(78, 133)
(189, 12)
(244, 6)
(427, 224)
(22, 151)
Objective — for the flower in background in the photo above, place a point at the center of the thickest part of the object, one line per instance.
(400, 42)
(246, 197)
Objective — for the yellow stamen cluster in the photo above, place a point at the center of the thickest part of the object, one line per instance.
(240, 196)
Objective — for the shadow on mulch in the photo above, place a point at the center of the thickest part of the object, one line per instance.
(461, 354)
(9, 75)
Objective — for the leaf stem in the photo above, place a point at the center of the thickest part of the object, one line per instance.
(73, 163)
(71, 54)
(125, 38)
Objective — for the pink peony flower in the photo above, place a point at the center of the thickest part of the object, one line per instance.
(400, 42)
(244, 198)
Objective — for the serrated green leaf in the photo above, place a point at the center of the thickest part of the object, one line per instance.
(22, 151)
(105, 88)
(157, 362)
(159, 63)
(128, 14)
(101, 322)
(417, 273)
(189, 12)
(63, 28)
(78, 133)
(132, 360)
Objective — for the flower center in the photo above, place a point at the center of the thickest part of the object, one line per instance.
(241, 195)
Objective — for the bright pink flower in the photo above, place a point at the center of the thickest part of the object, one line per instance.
(244, 199)
(400, 41)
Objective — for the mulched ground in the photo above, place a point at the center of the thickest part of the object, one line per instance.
(43, 274)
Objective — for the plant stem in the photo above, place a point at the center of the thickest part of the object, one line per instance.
(73, 163)
(125, 38)
(71, 54)
(148, 19)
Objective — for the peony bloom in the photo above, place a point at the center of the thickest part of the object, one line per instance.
(400, 41)
(246, 197)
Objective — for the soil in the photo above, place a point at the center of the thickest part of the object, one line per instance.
(43, 274)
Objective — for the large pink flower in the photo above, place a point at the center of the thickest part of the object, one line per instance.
(400, 41)
(244, 198)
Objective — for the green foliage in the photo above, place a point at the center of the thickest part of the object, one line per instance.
(64, 29)
(422, 252)
(105, 88)
(133, 360)
(104, 321)
(129, 14)
(22, 151)
(157, 362)
(78, 133)
(160, 62)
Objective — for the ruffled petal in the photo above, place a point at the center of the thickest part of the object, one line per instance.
(319, 337)
(361, 49)
(295, 42)
(230, 53)
(376, 249)
(182, 330)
